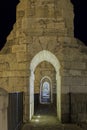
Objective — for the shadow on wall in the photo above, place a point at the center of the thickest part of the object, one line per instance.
(15, 111)
(74, 107)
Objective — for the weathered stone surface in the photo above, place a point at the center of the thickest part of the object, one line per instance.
(3, 109)
(18, 48)
(14, 73)
(44, 25)
(75, 65)
(18, 66)
(74, 81)
(21, 56)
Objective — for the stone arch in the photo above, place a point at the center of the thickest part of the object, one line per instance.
(38, 58)
(45, 56)
(46, 77)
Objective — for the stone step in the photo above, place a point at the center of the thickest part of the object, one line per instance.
(51, 127)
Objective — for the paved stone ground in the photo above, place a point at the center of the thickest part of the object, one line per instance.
(45, 119)
(50, 126)
(46, 109)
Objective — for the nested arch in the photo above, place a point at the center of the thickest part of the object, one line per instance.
(48, 98)
(44, 56)
(38, 58)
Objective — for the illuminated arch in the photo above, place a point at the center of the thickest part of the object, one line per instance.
(45, 56)
(41, 82)
(38, 58)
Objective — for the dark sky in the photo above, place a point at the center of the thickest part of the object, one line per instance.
(80, 20)
(8, 17)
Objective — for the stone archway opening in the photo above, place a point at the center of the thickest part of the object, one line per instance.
(38, 58)
(45, 90)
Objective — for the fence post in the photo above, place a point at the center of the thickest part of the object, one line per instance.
(3, 109)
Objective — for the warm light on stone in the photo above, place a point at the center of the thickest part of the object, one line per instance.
(42, 44)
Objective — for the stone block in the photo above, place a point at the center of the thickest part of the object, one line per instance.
(60, 25)
(75, 72)
(3, 99)
(20, 13)
(14, 73)
(21, 83)
(10, 58)
(78, 89)
(73, 81)
(4, 66)
(18, 66)
(84, 73)
(21, 57)
(3, 109)
(19, 48)
(75, 65)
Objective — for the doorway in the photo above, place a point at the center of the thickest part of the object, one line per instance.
(38, 58)
(46, 90)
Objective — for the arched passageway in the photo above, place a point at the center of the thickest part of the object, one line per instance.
(38, 58)
(45, 90)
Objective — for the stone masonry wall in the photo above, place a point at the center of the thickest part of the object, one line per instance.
(43, 25)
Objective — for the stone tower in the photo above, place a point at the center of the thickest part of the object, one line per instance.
(42, 47)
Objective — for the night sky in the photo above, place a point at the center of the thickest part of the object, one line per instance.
(8, 18)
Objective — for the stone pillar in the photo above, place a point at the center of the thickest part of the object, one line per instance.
(3, 109)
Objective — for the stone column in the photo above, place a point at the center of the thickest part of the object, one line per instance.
(3, 109)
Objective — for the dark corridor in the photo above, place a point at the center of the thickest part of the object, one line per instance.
(44, 109)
